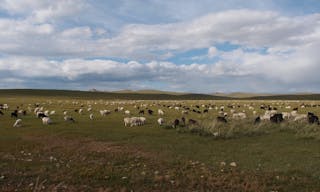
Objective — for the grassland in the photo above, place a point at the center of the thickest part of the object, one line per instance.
(103, 155)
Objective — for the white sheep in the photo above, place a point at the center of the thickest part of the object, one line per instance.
(127, 112)
(160, 112)
(300, 117)
(239, 115)
(160, 121)
(104, 112)
(127, 121)
(91, 116)
(18, 123)
(46, 120)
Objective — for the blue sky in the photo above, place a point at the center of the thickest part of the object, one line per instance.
(182, 45)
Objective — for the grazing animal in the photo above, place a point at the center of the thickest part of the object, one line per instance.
(134, 121)
(257, 120)
(160, 121)
(192, 122)
(150, 111)
(222, 119)
(184, 112)
(183, 119)
(300, 117)
(69, 119)
(14, 114)
(91, 116)
(239, 115)
(141, 112)
(160, 112)
(104, 112)
(277, 118)
(46, 121)
(127, 121)
(18, 123)
(127, 112)
(313, 118)
(41, 115)
(175, 123)
(205, 111)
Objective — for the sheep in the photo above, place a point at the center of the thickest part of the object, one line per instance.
(313, 118)
(141, 112)
(142, 120)
(192, 122)
(299, 117)
(183, 119)
(239, 115)
(69, 119)
(160, 112)
(276, 118)
(91, 116)
(160, 121)
(175, 123)
(222, 119)
(184, 112)
(80, 111)
(127, 112)
(257, 120)
(104, 112)
(134, 121)
(41, 115)
(150, 111)
(52, 112)
(46, 120)
(127, 121)
(18, 123)
(14, 114)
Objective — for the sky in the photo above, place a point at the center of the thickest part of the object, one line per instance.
(206, 46)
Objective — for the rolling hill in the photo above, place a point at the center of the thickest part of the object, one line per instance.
(149, 95)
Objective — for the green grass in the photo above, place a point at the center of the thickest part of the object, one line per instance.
(103, 154)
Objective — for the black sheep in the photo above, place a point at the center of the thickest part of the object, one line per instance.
(222, 119)
(277, 118)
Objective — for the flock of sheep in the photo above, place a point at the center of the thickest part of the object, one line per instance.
(275, 112)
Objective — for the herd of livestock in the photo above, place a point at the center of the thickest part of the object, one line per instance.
(275, 112)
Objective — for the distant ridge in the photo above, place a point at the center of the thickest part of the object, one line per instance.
(241, 94)
(149, 91)
(147, 95)
(104, 95)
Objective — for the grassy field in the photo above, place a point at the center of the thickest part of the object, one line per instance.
(103, 155)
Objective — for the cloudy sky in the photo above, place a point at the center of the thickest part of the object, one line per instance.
(178, 45)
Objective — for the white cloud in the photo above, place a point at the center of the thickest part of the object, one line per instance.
(244, 27)
(273, 48)
(212, 52)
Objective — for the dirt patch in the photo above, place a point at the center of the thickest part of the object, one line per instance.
(87, 145)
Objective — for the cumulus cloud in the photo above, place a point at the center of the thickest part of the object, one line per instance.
(275, 51)
(135, 41)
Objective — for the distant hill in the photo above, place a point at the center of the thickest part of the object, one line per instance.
(104, 95)
(149, 91)
(149, 95)
(241, 94)
(288, 97)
